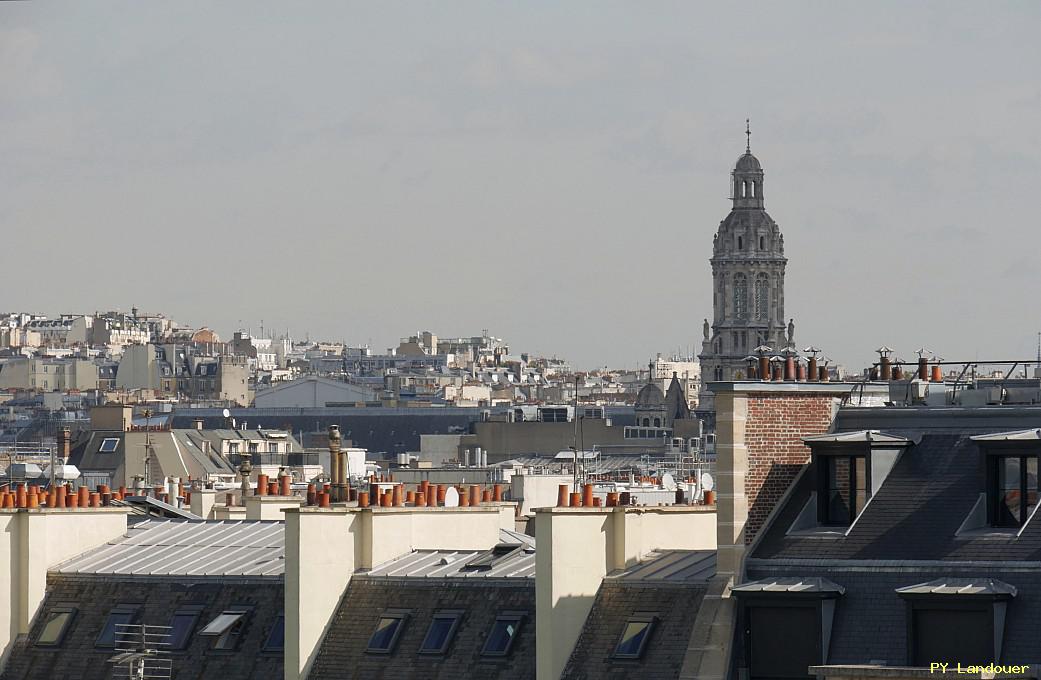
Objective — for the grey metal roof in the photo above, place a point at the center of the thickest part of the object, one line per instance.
(168, 548)
(859, 436)
(672, 566)
(431, 564)
(1018, 435)
(961, 586)
(792, 584)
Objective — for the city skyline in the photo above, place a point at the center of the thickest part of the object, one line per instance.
(554, 176)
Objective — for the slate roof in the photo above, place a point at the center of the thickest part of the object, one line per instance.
(905, 542)
(157, 600)
(341, 654)
(194, 549)
(674, 604)
(915, 515)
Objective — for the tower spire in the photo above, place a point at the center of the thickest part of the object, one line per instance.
(748, 136)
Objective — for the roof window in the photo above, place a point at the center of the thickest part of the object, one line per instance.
(108, 445)
(121, 616)
(633, 641)
(488, 559)
(388, 629)
(276, 638)
(440, 633)
(503, 633)
(55, 626)
(226, 629)
(181, 626)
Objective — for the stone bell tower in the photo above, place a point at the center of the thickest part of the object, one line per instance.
(748, 265)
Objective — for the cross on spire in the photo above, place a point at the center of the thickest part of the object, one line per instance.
(748, 136)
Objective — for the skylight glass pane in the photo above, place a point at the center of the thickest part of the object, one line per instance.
(181, 627)
(501, 637)
(107, 638)
(383, 637)
(1009, 498)
(1031, 490)
(109, 445)
(222, 623)
(633, 638)
(53, 627)
(439, 634)
(276, 639)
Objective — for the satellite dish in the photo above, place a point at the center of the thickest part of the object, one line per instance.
(451, 497)
(227, 413)
(667, 482)
(706, 481)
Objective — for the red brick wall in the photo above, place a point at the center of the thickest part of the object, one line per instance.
(774, 428)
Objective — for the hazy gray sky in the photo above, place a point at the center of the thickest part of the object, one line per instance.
(553, 172)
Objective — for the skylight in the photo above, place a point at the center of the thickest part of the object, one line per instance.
(440, 633)
(108, 445)
(504, 632)
(55, 626)
(635, 634)
(385, 636)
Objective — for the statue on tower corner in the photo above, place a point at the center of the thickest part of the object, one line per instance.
(791, 332)
(705, 329)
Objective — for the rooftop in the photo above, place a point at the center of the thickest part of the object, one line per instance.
(202, 549)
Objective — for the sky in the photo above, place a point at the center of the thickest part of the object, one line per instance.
(552, 172)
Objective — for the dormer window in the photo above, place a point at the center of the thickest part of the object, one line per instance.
(1010, 461)
(848, 469)
(844, 489)
(1013, 493)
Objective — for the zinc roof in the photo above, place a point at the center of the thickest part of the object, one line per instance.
(169, 548)
(433, 564)
(960, 586)
(672, 566)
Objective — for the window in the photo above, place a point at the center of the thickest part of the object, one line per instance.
(657, 422)
(741, 296)
(226, 629)
(502, 635)
(108, 445)
(761, 292)
(388, 629)
(120, 616)
(844, 489)
(762, 243)
(956, 620)
(276, 638)
(783, 641)
(1013, 489)
(55, 626)
(951, 635)
(740, 244)
(440, 633)
(181, 626)
(634, 637)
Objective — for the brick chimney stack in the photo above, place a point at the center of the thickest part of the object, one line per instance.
(759, 451)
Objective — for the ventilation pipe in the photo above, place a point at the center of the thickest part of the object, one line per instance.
(811, 369)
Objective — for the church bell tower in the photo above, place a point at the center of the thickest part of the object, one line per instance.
(748, 265)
